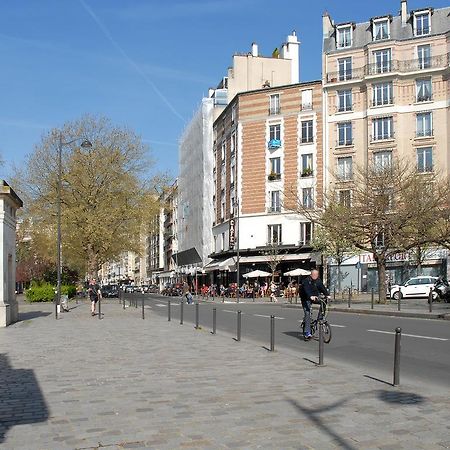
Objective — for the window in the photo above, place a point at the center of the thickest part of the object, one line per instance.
(223, 240)
(382, 60)
(345, 133)
(307, 197)
(274, 234)
(307, 131)
(232, 171)
(306, 233)
(233, 113)
(233, 143)
(307, 165)
(345, 69)
(345, 198)
(382, 160)
(383, 128)
(382, 94)
(275, 167)
(307, 99)
(345, 168)
(275, 201)
(423, 90)
(424, 123)
(380, 30)
(224, 148)
(345, 100)
(424, 159)
(424, 56)
(275, 132)
(222, 204)
(379, 240)
(274, 105)
(422, 24)
(344, 36)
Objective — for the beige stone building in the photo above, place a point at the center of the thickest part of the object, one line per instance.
(386, 97)
(267, 155)
(386, 92)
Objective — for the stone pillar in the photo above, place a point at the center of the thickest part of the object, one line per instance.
(9, 204)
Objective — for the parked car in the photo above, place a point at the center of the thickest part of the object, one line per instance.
(129, 289)
(418, 287)
(110, 291)
(153, 289)
(144, 288)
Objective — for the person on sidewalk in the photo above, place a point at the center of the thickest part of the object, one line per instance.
(310, 290)
(273, 290)
(94, 293)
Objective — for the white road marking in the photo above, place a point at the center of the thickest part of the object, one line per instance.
(333, 325)
(268, 317)
(410, 335)
(227, 310)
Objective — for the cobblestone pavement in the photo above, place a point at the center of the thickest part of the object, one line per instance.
(124, 382)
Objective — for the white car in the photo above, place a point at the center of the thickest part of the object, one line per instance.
(414, 287)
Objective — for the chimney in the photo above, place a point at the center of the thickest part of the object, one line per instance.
(327, 25)
(290, 50)
(404, 11)
(254, 49)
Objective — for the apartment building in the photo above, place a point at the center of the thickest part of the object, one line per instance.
(267, 157)
(386, 96)
(248, 71)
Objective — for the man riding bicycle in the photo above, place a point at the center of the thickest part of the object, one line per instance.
(310, 289)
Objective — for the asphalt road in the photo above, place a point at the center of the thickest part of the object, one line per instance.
(365, 342)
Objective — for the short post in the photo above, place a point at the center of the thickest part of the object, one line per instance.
(430, 300)
(399, 301)
(168, 311)
(99, 307)
(143, 312)
(56, 308)
(214, 320)
(349, 297)
(334, 294)
(272, 333)
(135, 299)
(181, 311)
(398, 334)
(238, 334)
(371, 299)
(129, 300)
(320, 342)
(196, 315)
(123, 301)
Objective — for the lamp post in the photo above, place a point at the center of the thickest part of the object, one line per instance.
(85, 144)
(237, 253)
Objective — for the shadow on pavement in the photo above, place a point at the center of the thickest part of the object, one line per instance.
(22, 401)
(295, 334)
(32, 315)
(313, 414)
(402, 398)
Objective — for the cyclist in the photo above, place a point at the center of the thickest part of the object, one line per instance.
(310, 289)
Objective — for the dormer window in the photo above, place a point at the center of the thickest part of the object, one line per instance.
(380, 29)
(344, 36)
(422, 23)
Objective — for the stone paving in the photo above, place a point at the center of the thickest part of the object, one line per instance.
(124, 382)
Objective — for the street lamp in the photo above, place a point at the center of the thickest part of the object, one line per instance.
(85, 144)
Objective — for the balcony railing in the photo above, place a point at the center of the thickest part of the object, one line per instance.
(274, 209)
(274, 143)
(412, 65)
(382, 137)
(424, 98)
(424, 133)
(274, 111)
(274, 176)
(307, 139)
(307, 173)
(383, 102)
(344, 142)
(306, 106)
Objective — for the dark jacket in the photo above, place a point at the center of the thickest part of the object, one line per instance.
(310, 288)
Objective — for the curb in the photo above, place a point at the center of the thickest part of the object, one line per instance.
(437, 316)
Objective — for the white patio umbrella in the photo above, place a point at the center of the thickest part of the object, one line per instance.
(297, 273)
(257, 274)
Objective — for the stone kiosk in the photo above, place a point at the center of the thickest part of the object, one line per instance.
(9, 204)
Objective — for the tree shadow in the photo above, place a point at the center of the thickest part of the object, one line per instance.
(22, 399)
(32, 315)
(295, 334)
(313, 414)
(400, 398)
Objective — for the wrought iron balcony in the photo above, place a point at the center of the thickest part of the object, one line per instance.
(344, 142)
(424, 133)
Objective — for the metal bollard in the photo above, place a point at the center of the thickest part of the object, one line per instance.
(181, 311)
(272, 333)
(56, 309)
(349, 297)
(143, 312)
(430, 301)
(320, 342)
(214, 320)
(398, 335)
(123, 301)
(238, 335)
(371, 299)
(168, 311)
(135, 300)
(99, 307)
(399, 302)
(334, 294)
(196, 316)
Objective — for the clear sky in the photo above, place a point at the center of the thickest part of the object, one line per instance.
(143, 63)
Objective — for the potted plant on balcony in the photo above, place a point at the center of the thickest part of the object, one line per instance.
(273, 176)
(307, 172)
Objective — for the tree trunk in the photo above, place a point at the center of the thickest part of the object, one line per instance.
(92, 264)
(339, 277)
(381, 268)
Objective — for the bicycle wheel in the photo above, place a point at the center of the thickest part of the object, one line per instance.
(326, 328)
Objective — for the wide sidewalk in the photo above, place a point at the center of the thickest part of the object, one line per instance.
(124, 382)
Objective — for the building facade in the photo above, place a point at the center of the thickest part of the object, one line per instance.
(386, 97)
(268, 158)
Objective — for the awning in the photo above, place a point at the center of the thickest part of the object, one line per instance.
(187, 257)
(221, 264)
(281, 258)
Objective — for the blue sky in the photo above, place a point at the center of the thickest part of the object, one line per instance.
(143, 63)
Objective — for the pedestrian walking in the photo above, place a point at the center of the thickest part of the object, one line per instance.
(273, 290)
(94, 293)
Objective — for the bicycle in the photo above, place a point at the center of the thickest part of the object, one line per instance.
(326, 327)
